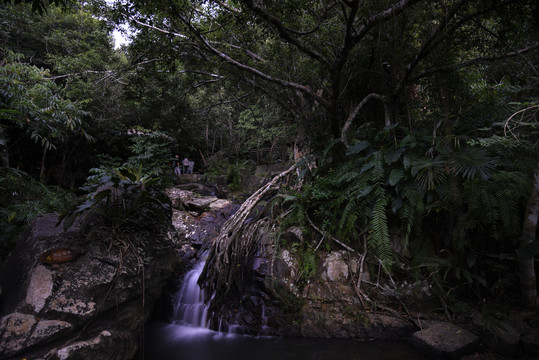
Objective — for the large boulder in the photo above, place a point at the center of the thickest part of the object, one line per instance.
(76, 307)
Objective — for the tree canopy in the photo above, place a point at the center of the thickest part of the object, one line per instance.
(417, 115)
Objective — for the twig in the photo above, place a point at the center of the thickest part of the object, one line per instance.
(507, 128)
(332, 238)
(320, 242)
(363, 256)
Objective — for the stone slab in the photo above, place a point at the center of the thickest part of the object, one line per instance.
(445, 340)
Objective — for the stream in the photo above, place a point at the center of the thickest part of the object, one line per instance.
(187, 337)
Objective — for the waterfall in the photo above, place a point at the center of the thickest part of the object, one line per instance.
(190, 312)
(190, 309)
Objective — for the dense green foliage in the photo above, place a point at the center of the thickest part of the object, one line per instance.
(126, 200)
(23, 198)
(418, 119)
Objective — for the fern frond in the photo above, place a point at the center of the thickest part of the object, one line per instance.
(496, 202)
(379, 240)
(349, 217)
(410, 212)
(510, 189)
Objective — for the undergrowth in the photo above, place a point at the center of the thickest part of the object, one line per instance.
(23, 199)
(450, 209)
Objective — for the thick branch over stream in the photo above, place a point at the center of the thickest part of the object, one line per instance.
(229, 252)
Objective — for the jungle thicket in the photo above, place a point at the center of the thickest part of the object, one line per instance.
(418, 119)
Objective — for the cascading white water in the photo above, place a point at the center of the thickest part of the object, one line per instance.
(190, 312)
(190, 309)
(189, 337)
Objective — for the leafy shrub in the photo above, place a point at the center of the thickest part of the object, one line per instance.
(451, 209)
(124, 199)
(219, 165)
(24, 198)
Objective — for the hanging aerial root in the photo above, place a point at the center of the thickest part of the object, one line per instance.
(228, 253)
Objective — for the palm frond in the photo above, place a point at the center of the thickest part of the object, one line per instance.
(472, 163)
(429, 172)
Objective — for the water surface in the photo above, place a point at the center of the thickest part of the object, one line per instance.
(176, 342)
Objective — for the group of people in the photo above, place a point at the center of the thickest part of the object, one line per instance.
(182, 167)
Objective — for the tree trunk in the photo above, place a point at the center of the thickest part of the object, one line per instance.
(42, 170)
(526, 257)
(4, 157)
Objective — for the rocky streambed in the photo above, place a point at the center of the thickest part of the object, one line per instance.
(96, 304)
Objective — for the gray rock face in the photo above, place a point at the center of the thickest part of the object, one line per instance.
(200, 204)
(44, 306)
(445, 340)
(40, 288)
(20, 331)
(187, 200)
(324, 305)
(106, 345)
(198, 219)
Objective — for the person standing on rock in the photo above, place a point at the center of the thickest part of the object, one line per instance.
(176, 165)
(190, 168)
(185, 164)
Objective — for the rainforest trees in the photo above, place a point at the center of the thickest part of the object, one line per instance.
(408, 92)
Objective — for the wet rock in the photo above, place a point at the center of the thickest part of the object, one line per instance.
(50, 329)
(40, 288)
(19, 331)
(14, 329)
(251, 183)
(50, 304)
(293, 234)
(264, 255)
(201, 228)
(179, 197)
(192, 200)
(336, 319)
(285, 265)
(445, 340)
(205, 228)
(196, 188)
(220, 204)
(15, 272)
(200, 204)
(107, 345)
(336, 269)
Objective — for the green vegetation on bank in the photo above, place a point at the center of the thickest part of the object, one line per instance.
(418, 120)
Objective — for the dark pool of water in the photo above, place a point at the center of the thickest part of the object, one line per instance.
(174, 342)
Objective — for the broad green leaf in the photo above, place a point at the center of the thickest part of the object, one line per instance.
(395, 176)
(357, 148)
(391, 156)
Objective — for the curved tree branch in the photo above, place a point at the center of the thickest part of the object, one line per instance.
(359, 106)
(435, 39)
(288, 84)
(221, 272)
(283, 31)
(471, 62)
(382, 16)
